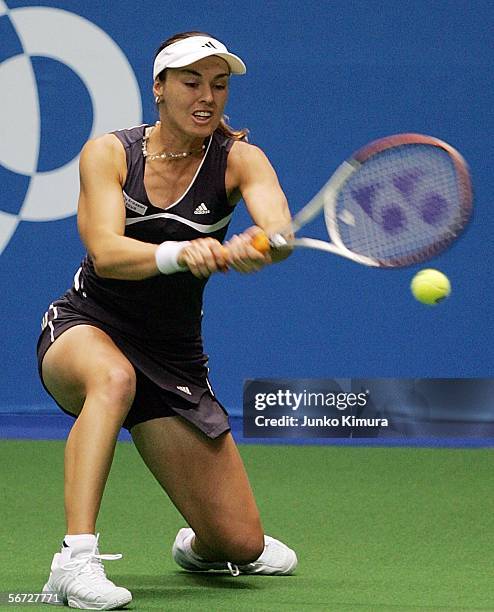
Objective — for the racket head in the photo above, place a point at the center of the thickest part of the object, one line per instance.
(401, 200)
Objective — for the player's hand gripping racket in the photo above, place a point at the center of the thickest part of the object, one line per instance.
(397, 201)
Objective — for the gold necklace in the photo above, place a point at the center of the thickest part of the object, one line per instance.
(165, 154)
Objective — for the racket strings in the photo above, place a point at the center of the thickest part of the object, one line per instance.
(405, 203)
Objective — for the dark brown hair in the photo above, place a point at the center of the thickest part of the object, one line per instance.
(223, 126)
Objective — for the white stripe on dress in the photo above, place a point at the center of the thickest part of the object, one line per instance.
(200, 227)
(52, 331)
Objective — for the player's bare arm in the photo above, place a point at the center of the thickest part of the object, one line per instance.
(250, 171)
(101, 214)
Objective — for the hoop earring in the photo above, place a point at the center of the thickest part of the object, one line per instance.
(157, 99)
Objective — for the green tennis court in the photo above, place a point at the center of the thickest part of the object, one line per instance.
(374, 528)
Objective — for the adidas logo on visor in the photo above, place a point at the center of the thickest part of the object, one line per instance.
(209, 44)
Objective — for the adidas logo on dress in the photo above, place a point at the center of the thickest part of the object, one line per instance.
(202, 209)
(184, 389)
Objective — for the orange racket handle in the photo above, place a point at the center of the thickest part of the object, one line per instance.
(261, 243)
(224, 252)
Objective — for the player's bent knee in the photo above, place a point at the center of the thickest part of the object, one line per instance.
(242, 548)
(116, 386)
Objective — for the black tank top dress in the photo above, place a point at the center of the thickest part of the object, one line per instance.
(156, 322)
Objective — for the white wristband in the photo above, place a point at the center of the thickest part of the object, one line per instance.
(166, 256)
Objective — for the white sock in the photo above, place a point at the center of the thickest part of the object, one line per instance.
(80, 539)
(80, 543)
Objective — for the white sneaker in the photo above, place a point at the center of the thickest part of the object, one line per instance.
(184, 556)
(276, 559)
(78, 578)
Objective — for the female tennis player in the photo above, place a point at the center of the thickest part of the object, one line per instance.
(123, 346)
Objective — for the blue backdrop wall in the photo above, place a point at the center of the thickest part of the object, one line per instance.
(323, 79)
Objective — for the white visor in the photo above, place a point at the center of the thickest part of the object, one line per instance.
(189, 50)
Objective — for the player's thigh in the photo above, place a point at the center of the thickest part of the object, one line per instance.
(205, 479)
(83, 359)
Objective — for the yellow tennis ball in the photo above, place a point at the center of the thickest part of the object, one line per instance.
(430, 286)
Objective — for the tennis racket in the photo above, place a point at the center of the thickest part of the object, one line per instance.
(397, 201)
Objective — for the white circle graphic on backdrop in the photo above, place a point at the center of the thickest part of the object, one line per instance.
(99, 62)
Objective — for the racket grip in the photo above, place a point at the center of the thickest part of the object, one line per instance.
(261, 242)
(224, 252)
